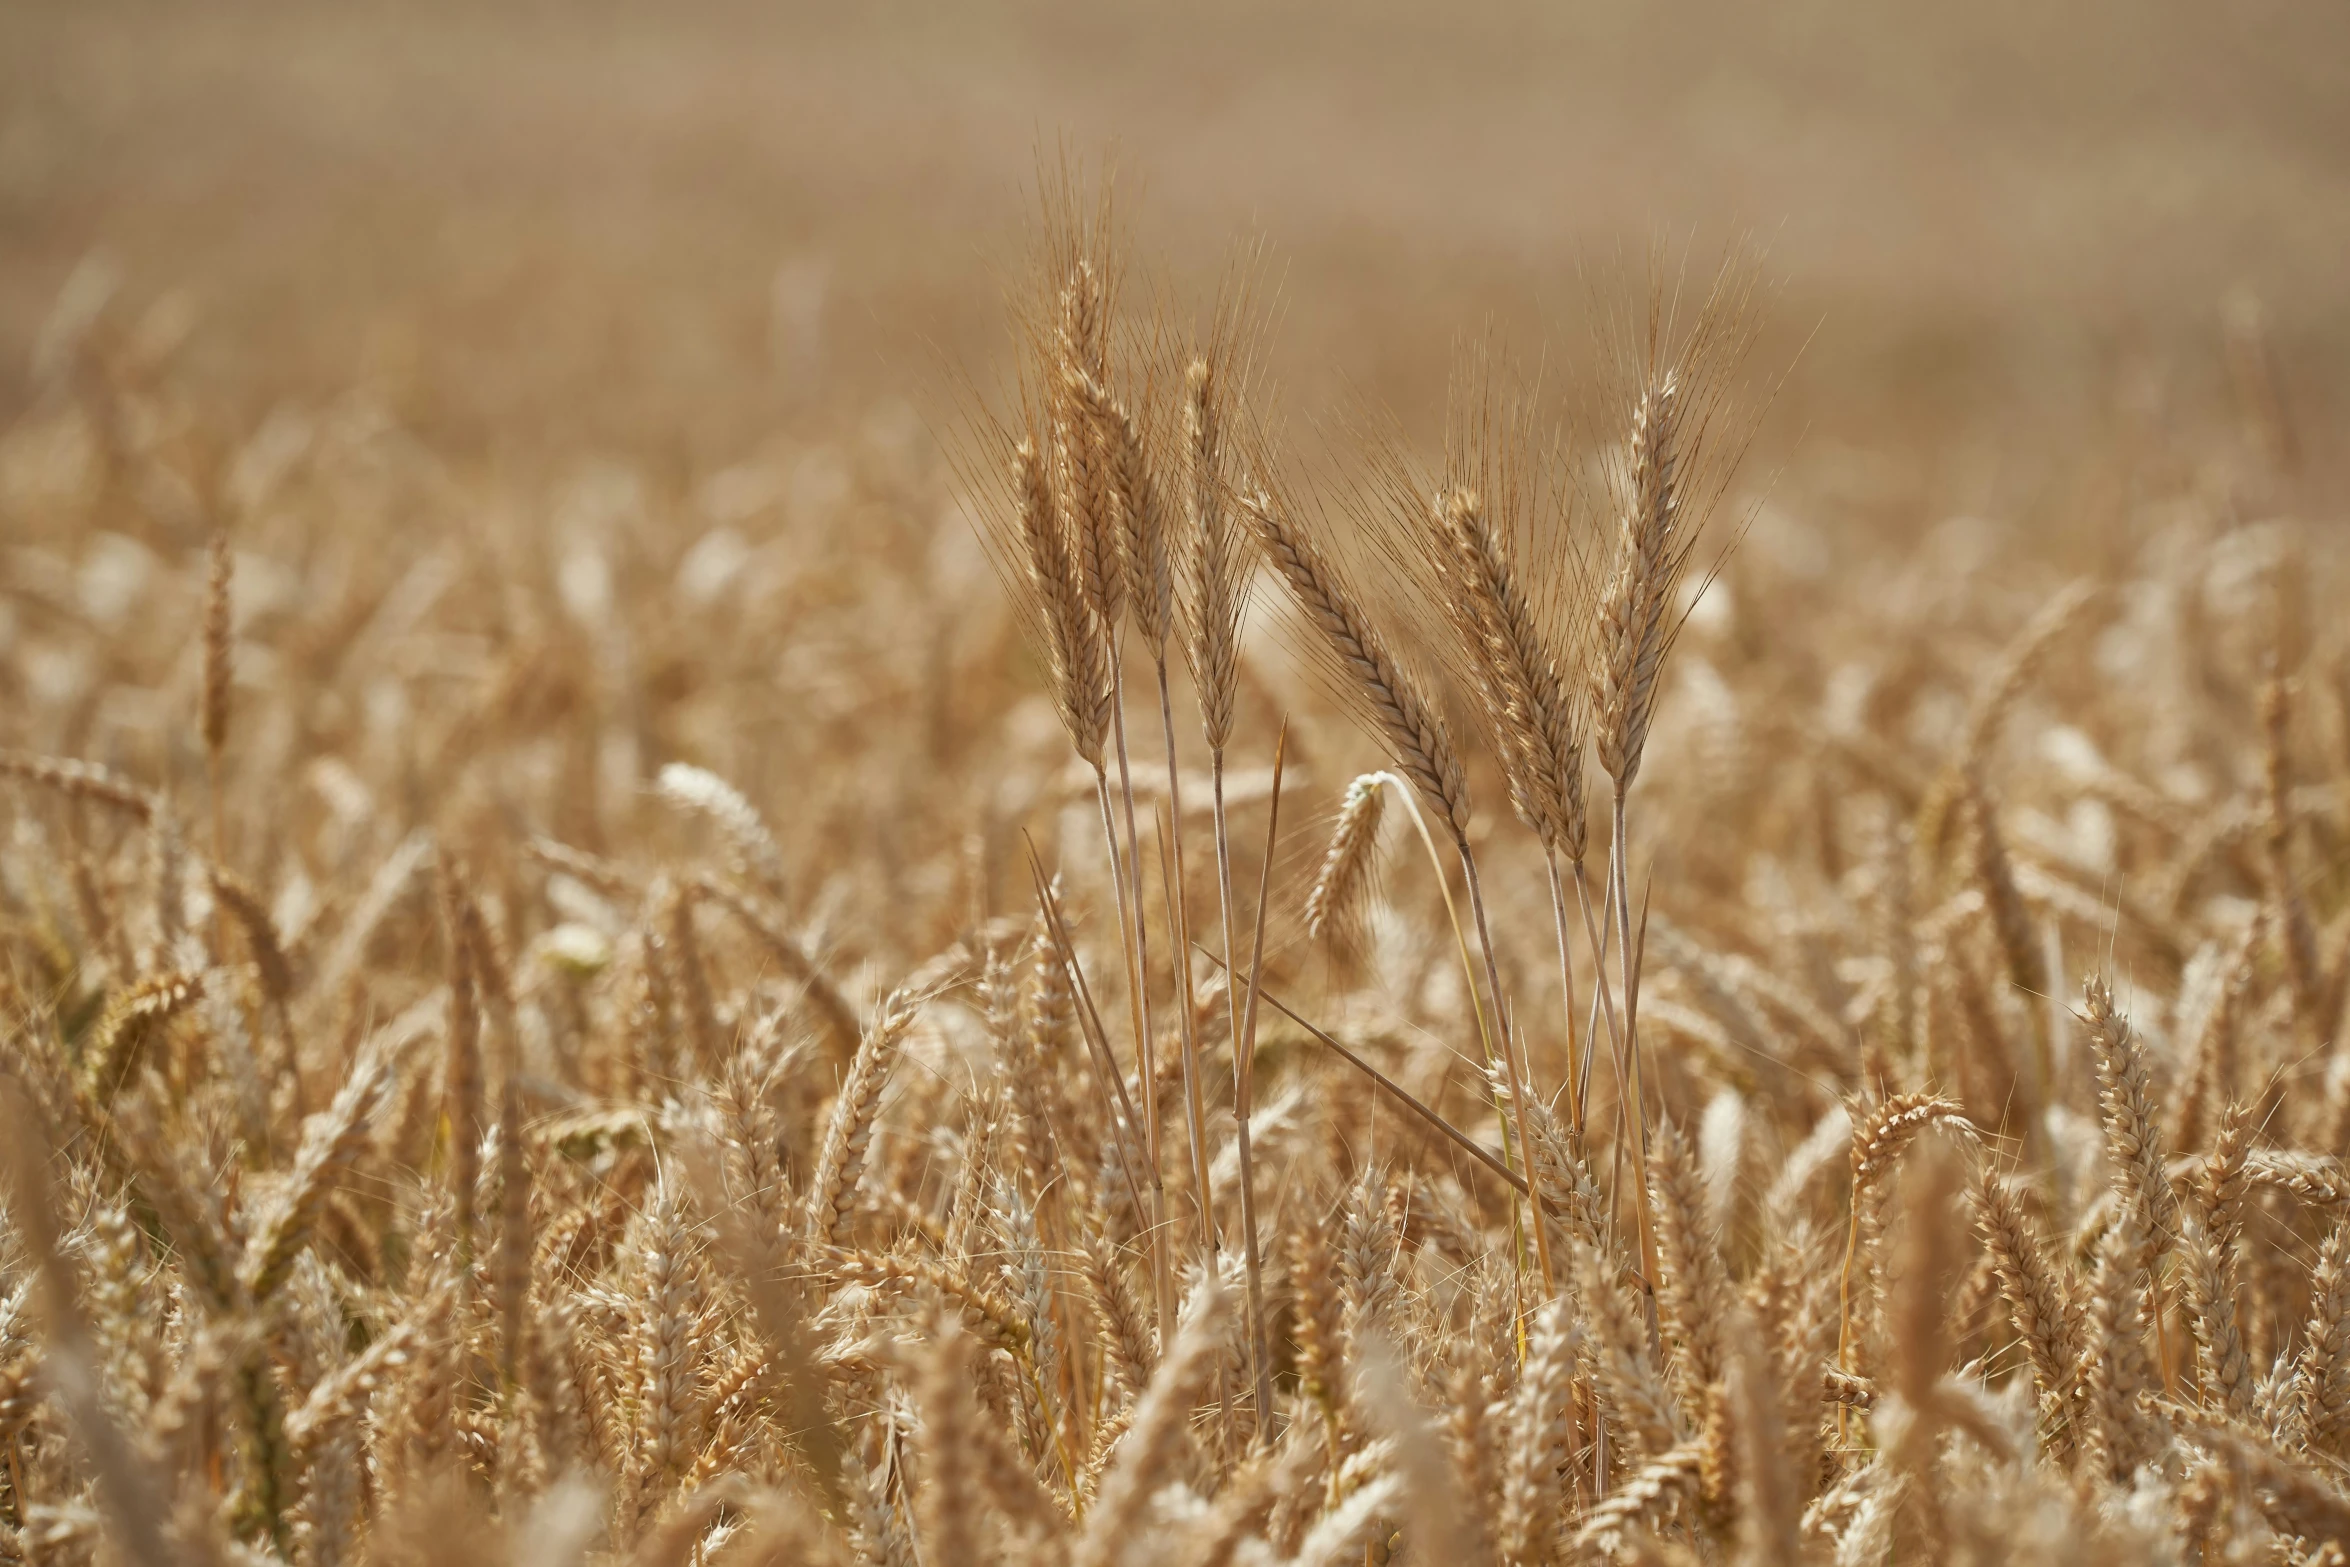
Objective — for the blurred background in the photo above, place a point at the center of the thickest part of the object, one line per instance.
(578, 382)
(533, 229)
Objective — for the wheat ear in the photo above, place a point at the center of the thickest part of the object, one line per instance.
(848, 1134)
(1337, 907)
(86, 781)
(2321, 1379)
(1079, 649)
(1416, 737)
(2043, 1313)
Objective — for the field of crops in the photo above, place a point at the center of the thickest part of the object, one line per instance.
(1080, 785)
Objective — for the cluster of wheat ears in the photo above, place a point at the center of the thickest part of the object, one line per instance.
(440, 1146)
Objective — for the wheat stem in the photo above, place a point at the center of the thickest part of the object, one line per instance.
(1603, 1000)
(1162, 1265)
(1628, 956)
(1558, 917)
(1510, 1065)
(1194, 1105)
(1469, 987)
(1112, 1084)
(1134, 910)
(1244, 1058)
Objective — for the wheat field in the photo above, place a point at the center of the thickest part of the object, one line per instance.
(1179, 897)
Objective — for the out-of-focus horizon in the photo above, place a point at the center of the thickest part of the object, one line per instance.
(537, 229)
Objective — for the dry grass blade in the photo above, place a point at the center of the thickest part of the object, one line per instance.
(1398, 1093)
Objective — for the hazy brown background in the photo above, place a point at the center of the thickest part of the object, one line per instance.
(677, 228)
